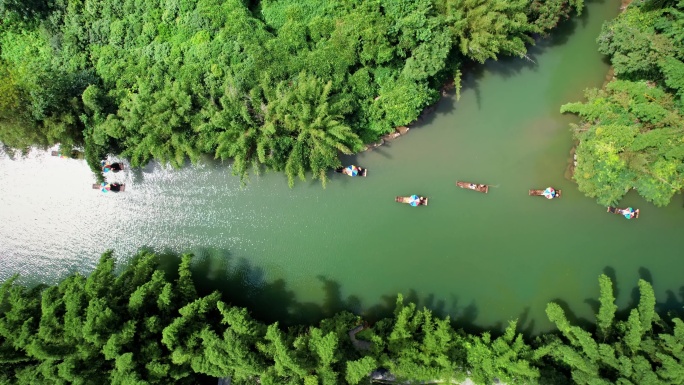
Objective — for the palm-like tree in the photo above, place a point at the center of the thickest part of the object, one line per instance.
(154, 125)
(306, 126)
(239, 118)
(484, 28)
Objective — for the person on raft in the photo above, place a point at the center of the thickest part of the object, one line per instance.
(549, 193)
(629, 213)
(416, 200)
(113, 187)
(352, 170)
(115, 167)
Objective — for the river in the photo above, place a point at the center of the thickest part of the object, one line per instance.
(304, 252)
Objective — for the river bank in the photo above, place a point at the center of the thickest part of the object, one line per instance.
(449, 86)
(610, 75)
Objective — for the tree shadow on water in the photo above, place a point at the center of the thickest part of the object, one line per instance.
(610, 272)
(244, 285)
(509, 66)
(239, 283)
(635, 296)
(138, 173)
(572, 317)
(672, 306)
(566, 28)
(525, 323)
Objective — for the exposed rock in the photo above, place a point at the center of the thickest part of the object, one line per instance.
(402, 130)
(370, 147)
(391, 136)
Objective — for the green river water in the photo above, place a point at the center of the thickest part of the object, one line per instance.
(305, 252)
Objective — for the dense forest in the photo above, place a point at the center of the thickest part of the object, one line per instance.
(144, 325)
(289, 85)
(277, 85)
(632, 131)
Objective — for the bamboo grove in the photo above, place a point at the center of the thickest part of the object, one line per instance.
(148, 326)
(281, 85)
(632, 131)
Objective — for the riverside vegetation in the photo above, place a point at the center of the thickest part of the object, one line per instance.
(278, 85)
(632, 131)
(147, 326)
(287, 85)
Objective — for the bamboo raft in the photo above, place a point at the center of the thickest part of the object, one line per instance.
(115, 167)
(55, 153)
(75, 154)
(540, 192)
(483, 188)
(115, 187)
(620, 211)
(423, 201)
(362, 171)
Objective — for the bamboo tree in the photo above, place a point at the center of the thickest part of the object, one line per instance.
(505, 359)
(137, 327)
(628, 353)
(287, 366)
(483, 29)
(672, 357)
(607, 308)
(647, 303)
(306, 122)
(359, 369)
(416, 345)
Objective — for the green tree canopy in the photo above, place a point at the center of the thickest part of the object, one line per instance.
(169, 81)
(141, 325)
(637, 350)
(630, 138)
